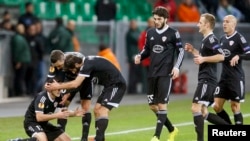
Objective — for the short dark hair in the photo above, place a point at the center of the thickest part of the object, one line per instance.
(27, 4)
(161, 11)
(71, 60)
(102, 47)
(56, 55)
(59, 21)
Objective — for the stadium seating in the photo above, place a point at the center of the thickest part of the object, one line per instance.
(83, 9)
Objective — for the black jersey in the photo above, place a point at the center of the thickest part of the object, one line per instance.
(61, 75)
(161, 46)
(102, 70)
(210, 46)
(41, 103)
(233, 45)
(56, 74)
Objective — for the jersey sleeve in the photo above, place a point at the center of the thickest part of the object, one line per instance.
(179, 50)
(86, 69)
(146, 49)
(51, 75)
(215, 45)
(40, 103)
(245, 47)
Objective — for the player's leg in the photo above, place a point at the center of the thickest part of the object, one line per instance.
(86, 119)
(211, 117)
(220, 95)
(110, 98)
(35, 131)
(63, 137)
(86, 94)
(196, 109)
(69, 96)
(238, 96)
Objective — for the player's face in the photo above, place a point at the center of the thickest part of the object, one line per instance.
(76, 69)
(160, 22)
(228, 25)
(58, 64)
(201, 25)
(56, 93)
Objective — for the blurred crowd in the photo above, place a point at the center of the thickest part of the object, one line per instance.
(29, 45)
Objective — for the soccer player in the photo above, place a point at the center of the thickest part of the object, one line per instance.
(107, 75)
(57, 72)
(162, 44)
(232, 82)
(207, 57)
(41, 111)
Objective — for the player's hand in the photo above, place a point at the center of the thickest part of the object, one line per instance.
(198, 59)
(65, 98)
(79, 112)
(175, 73)
(234, 60)
(189, 48)
(52, 86)
(63, 114)
(137, 59)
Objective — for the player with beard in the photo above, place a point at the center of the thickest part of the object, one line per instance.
(58, 72)
(207, 57)
(232, 82)
(107, 75)
(162, 44)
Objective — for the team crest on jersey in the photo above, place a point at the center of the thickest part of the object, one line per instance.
(164, 38)
(55, 104)
(41, 105)
(51, 69)
(231, 43)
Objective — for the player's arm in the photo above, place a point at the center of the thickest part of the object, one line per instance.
(214, 59)
(66, 85)
(189, 48)
(40, 116)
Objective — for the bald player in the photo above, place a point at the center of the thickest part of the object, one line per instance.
(232, 82)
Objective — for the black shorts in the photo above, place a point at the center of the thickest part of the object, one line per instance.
(159, 89)
(85, 90)
(51, 131)
(233, 89)
(111, 96)
(204, 93)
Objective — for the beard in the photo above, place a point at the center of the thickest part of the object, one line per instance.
(162, 26)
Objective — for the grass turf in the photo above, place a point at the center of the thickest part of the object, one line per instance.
(129, 123)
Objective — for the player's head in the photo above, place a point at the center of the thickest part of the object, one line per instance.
(73, 63)
(206, 23)
(57, 59)
(160, 15)
(229, 24)
(55, 93)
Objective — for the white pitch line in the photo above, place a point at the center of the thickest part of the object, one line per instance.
(145, 129)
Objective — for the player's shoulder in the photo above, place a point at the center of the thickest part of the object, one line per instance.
(52, 69)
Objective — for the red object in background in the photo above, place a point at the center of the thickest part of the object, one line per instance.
(180, 84)
(184, 81)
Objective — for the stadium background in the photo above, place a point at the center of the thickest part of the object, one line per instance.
(82, 12)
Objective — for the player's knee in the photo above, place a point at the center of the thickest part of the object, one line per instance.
(217, 108)
(235, 107)
(154, 108)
